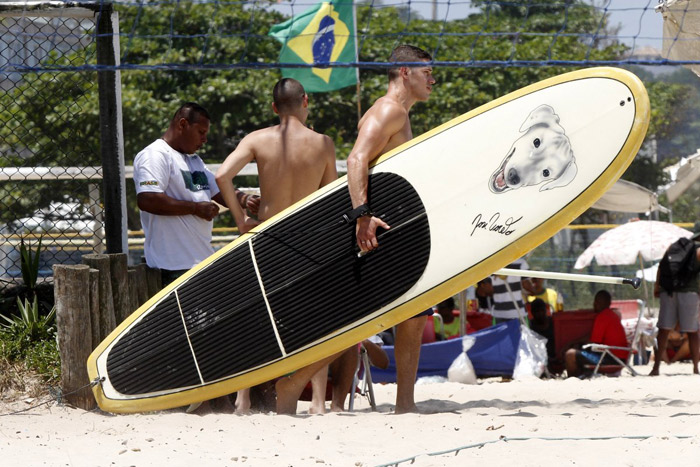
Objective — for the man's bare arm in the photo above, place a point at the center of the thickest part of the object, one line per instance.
(224, 179)
(373, 137)
(657, 287)
(164, 205)
(249, 202)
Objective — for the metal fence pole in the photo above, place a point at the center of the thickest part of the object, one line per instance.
(111, 131)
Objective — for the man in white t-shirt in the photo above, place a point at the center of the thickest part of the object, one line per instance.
(175, 192)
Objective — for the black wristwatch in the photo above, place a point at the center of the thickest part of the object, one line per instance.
(360, 211)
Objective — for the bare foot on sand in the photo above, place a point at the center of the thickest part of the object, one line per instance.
(398, 410)
(243, 402)
(335, 408)
(319, 409)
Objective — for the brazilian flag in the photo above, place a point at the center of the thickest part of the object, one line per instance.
(319, 36)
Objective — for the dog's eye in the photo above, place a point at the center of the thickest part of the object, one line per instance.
(545, 172)
(536, 142)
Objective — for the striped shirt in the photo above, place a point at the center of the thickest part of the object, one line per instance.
(508, 305)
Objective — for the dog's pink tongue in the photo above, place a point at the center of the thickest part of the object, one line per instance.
(500, 180)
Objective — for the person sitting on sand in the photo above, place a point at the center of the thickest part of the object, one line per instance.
(543, 324)
(450, 324)
(607, 330)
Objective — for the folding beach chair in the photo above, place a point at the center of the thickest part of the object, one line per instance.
(363, 388)
(361, 383)
(632, 350)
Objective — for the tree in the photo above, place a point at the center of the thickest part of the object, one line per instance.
(200, 34)
(48, 119)
(51, 119)
(674, 132)
(685, 208)
(678, 108)
(503, 31)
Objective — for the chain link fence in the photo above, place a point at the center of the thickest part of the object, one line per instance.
(50, 146)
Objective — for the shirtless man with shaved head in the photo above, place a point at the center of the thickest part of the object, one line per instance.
(293, 162)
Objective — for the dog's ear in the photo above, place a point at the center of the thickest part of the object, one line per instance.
(564, 179)
(542, 115)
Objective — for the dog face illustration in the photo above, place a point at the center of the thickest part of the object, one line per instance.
(542, 155)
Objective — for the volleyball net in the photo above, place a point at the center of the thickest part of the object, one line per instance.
(213, 34)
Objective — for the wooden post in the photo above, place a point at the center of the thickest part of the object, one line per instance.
(141, 283)
(107, 320)
(74, 332)
(95, 306)
(133, 290)
(154, 281)
(120, 285)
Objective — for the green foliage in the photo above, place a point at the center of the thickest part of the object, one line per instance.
(685, 208)
(29, 264)
(675, 111)
(31, 338)
(41, 356)
(48, 119)
(646, 173)
(674, 132)
(459, 90)
(667, 107)
(29, 326)
(239, 99)
(44, 358)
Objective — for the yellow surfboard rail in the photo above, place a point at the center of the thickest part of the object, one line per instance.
(345, 338)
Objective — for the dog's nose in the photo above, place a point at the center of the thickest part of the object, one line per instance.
(513, 177)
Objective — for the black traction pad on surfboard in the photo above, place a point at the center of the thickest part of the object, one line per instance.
(315, 284)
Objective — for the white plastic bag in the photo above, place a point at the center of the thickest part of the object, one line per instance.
(431, 380)
(462, 370)
(532, 355)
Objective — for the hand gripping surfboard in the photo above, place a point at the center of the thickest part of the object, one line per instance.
(462, 200)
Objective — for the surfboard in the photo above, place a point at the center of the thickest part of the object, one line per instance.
(462, 200)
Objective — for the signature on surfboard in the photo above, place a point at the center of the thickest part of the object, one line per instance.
(493, 225)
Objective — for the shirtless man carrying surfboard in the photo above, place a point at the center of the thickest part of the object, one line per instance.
(293, 162)
(385, 126)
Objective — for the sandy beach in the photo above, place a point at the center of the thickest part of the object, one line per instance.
(626, 420)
